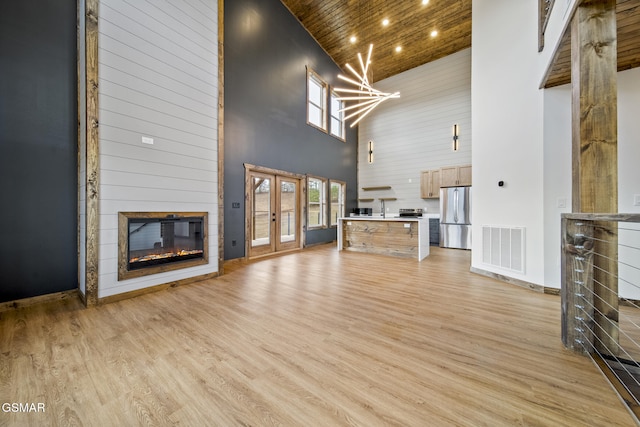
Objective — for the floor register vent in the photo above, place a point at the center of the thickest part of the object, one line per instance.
(503, 247)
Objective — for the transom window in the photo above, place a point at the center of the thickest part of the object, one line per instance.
(316, 100)
(316, 202)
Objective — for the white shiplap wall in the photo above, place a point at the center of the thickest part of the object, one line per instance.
(159, 79)
(414, 133)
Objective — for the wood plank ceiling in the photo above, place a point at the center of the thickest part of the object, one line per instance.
(333, 22)
(628, 21)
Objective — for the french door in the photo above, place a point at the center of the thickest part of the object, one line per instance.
(273, 214)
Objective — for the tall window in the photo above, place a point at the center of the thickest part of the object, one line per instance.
(338, 197)
(337, 116)
(316, 100)
(317, 201)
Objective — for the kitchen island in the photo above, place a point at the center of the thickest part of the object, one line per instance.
(402, 237)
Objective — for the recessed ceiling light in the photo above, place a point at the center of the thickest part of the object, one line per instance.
(434, 33)
(353, 39)
(385, 22)
(398, 48)
(425, 2)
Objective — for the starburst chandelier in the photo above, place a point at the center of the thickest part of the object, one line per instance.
(366, 96)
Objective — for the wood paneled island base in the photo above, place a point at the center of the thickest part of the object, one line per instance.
(401, 237)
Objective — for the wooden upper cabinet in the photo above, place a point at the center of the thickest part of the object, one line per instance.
(452, 176)
(464, 175)
(430, 184)
(449, 176)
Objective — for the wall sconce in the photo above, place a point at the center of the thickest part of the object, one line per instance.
(370, 153)
(456, 142)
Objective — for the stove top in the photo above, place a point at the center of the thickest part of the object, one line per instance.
(412, 212)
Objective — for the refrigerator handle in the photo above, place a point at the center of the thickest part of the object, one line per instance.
(455, 205)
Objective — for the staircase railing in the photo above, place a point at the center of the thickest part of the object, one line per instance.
(601, 296)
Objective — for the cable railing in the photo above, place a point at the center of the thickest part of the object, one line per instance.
(601, 296)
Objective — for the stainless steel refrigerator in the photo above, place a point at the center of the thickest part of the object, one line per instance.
(455, 217)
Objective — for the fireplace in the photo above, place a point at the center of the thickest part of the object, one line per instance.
(155, 242)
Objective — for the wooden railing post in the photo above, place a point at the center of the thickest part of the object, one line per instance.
(594, 75)
(577, 285)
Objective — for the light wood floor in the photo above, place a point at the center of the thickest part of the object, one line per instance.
(316, 338)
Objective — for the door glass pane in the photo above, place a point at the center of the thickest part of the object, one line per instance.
(261, 211)
(288, 215)
(337, 202)
(315, 193)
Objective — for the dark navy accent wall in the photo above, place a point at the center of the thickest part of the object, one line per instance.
(266, 53)
(38, 148)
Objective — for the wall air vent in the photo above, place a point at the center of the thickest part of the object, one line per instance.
(503, 247)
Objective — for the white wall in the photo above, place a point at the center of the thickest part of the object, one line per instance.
(556, 145)
(158, 78)
(414, 133)
(557, 169)
(629, 180)
(628, 139)
(557, 175)
(507, 128)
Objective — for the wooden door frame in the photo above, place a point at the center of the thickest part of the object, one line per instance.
(248, 170)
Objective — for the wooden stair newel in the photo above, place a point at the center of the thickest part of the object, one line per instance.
(594, 150)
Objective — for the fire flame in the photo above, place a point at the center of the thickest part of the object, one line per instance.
(151, 257)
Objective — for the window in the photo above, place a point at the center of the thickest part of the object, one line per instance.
(338, 197)
(337, 116)
(317, 201)
(316, 100)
